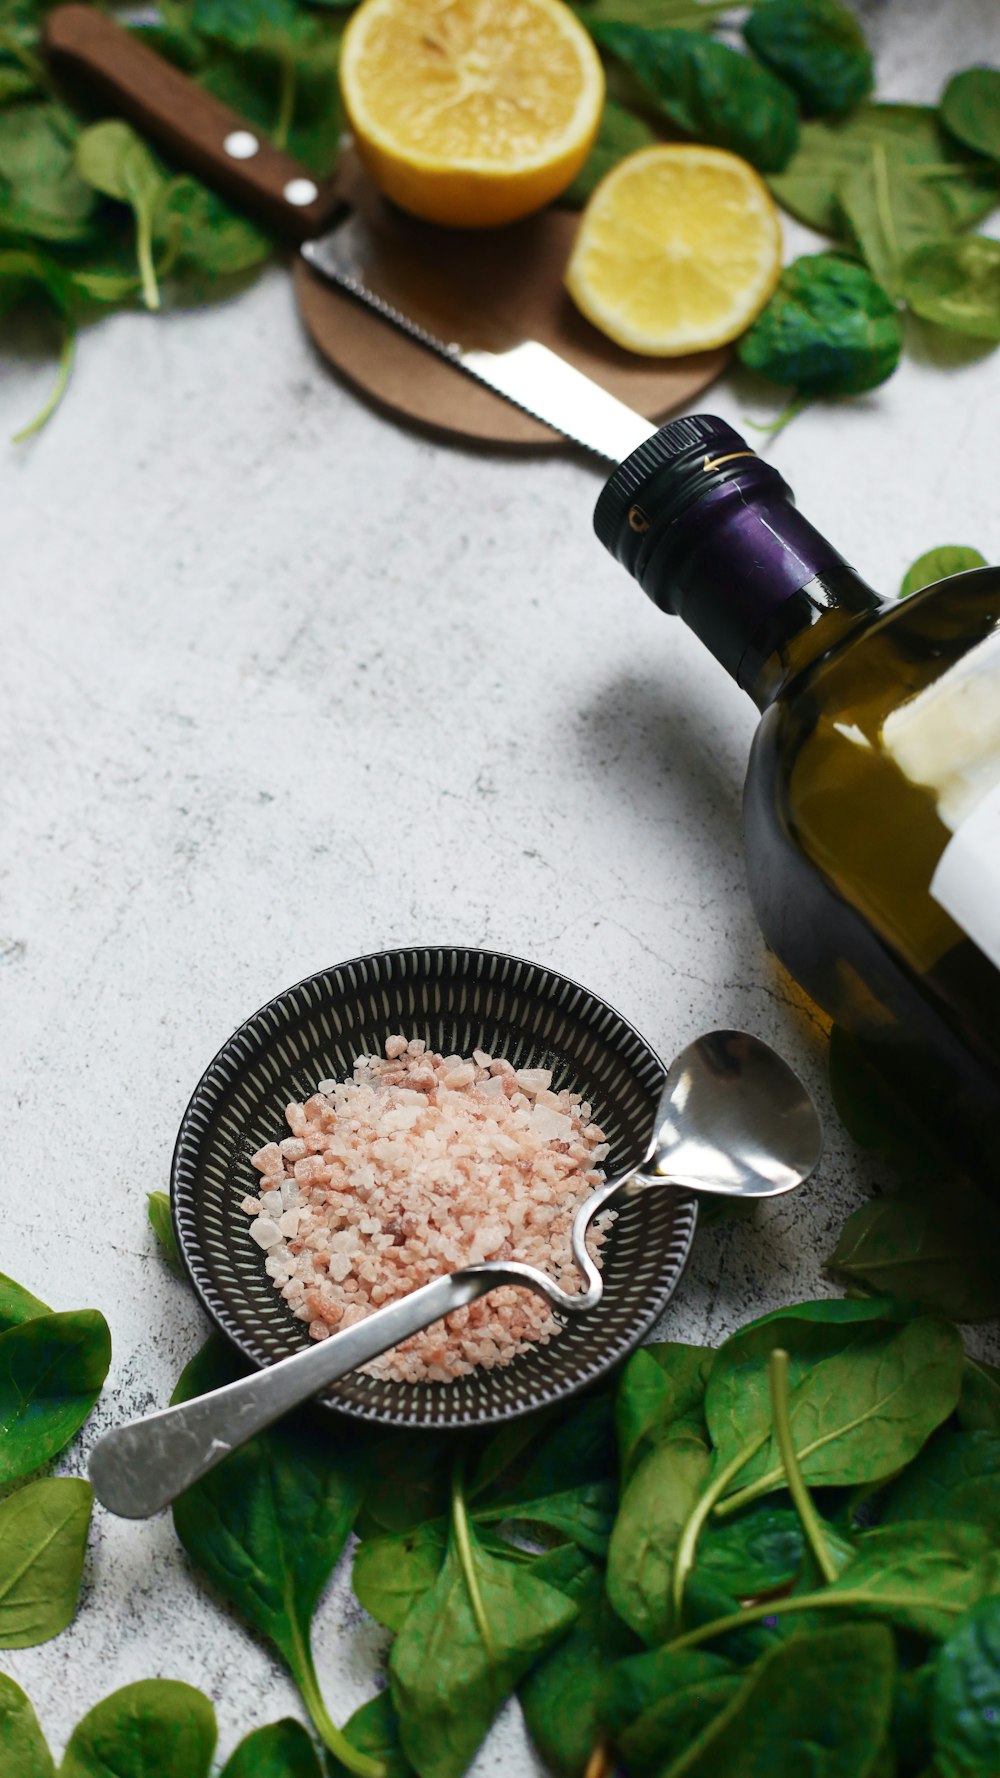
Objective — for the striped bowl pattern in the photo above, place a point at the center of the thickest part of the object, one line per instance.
(457, 1000)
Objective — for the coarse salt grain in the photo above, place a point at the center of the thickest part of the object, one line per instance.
(421, 1164)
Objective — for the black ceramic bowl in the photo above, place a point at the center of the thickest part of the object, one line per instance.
(457, 1000)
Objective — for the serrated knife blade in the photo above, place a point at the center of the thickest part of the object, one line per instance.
(526, 373)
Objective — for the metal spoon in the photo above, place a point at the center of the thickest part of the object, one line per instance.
(732, 1121)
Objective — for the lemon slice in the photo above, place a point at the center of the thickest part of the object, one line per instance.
(678, 249)
(471, 112)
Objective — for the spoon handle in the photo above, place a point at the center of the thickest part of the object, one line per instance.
(138, 1469)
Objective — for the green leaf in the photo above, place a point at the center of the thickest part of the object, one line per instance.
(927, 1247)
(970, 108)
(979, 1401)
(582, 1515)
(789, 1716)
(965, 1699)
(683, 15)
(660, 1385)
(16, 1303)
(158, 1211)
(663, 1733)
(918, 148)
(42, 196)
(655, 1507)
(621, 132)
(863, 1397)
(390, 1574)
(23, 1752)
(374, 1730)
(956, 1477)
(43, 1541)
(547, 1453)
(637, 1685)
(939, 564)
(158, 1728)
(51, 1372)
(710, 91)
(559, 1696)
(446, 1683)
(920, 1575)
(267, 1528)
(406, 1479)
(281, 1750)
(242, 25)
(760, 1550)
(204, 235)
(829, 329)
(956, 284)
(112, 159)
(911, 1724)
(891, 210)
(818, 47)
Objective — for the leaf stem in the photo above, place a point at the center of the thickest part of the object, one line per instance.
(466, 1557)
(361, 1764)
(796, 406)
(66, 354)
(825, 1600)
(144, 253)
(286, 103)
(688, 1544)
(777, 1376)
(883, 202)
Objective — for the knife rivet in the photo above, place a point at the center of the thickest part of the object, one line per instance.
(637, 519)
(300, 192)
(241, 145)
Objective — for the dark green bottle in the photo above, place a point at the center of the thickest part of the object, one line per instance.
(872, 800)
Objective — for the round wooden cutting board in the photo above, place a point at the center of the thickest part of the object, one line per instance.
(485, 288)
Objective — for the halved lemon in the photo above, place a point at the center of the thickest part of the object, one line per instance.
(678, 249)
(471, 112)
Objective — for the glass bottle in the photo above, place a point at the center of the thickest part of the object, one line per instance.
(872, 798)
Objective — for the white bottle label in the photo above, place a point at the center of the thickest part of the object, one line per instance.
(948, 738)
(967, 880)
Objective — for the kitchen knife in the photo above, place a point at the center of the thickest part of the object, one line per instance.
(196, 130)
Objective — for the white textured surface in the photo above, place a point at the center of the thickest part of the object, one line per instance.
(284, 683)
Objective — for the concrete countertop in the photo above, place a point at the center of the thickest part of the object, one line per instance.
(285, 683)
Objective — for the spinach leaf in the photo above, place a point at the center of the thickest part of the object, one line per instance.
(42, 196)
(113, 160)
(157, 1728)
(51, 1372)
(918, 147)
(761, 1549)
(391, 1573)
(17, 1304)
(829, 329)
(373, 1730)
(665, 1731)
(655, 1507)
(546, 1454)
(559, 1696)
(956, 284)
(979, 1401)
(863, 1398)
(158, 1211)
(710, 91)
(890, 211)
(621, 132)
(938, 564)
(683, 15)
(955, 1477)
(911, 1717)
(25, 276)
(281, 1750)
(23, 1752)
(636, 1685)
(818, 47)
(970, 109)
(242, 25)
(931, 1249)
(582, 1515)
(267, 1528)
(965, 1699)
(792, 1705)
(406, 1480)
(660, 1385)
(204, 235)
(43, 1540)
(457, 1658)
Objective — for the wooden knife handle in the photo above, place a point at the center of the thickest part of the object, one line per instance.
(194, 129)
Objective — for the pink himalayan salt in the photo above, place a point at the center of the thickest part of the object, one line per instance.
(417, 1166)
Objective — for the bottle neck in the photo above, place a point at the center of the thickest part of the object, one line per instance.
(765, 592)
